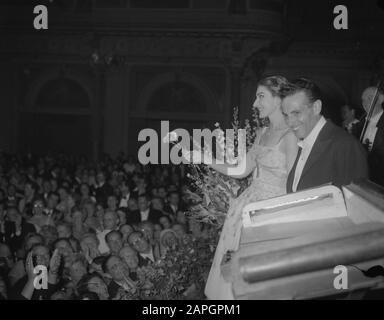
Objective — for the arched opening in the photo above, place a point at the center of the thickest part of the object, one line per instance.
(58, 119)
(62, 93)
(181, 98)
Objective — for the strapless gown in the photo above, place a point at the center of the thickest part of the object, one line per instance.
(269, 180)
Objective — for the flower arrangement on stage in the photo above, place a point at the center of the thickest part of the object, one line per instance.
(211, 192)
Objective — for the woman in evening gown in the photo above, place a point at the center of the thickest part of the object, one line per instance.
(269, 160)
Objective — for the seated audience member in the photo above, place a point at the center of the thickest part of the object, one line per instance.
(92, 222)
(97, 265)
(24, 289)
(146, 252)
(112, 203)
(51, 208)
(119, 272)
(114, 240)
(65, 250)
(145, 211)
(16, 229)
(39, 218)
(79, 226)
(85, 194)
(174, 204)
(131, 258)
(110, 222)
(95, 283)
(158, 204)
(78, 268)
(122, 216)
(90, 246)
(132, 205)
(125, 194)
(165, 222)
(126, 230)
(162, 193)
(66, 202)
(168, 240)
(49, 234)
(64, 230)
(26, 203)
(103, 189)
(75, 244)
(18, 270)
(147, 228)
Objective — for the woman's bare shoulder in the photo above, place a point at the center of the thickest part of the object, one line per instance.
(289, 141)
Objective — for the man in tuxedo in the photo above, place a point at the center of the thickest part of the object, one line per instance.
(145, 212)
(374, 135)
(326, 154)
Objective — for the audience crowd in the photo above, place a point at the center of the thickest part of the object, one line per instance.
(94, 226)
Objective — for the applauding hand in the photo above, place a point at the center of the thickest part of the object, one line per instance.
(54, 263)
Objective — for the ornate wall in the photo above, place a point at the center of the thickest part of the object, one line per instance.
(128, 65)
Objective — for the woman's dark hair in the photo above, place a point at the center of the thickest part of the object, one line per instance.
(274, 84)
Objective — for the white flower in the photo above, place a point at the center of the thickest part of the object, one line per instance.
(170, 137)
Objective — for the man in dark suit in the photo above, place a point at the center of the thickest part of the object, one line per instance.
(146, 212)
(16, 228)
(374, 135)
(103, 189)
(327, 154)
(174, 204)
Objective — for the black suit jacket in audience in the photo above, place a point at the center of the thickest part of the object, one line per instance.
(15, 241)
(134, 217)
(103, 193)
(336, 157)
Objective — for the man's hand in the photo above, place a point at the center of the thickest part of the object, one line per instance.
(29, 267)
(54, 264)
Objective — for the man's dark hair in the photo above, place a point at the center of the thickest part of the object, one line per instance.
(311, 90)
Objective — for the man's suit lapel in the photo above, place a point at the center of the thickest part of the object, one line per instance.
(321, 145)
